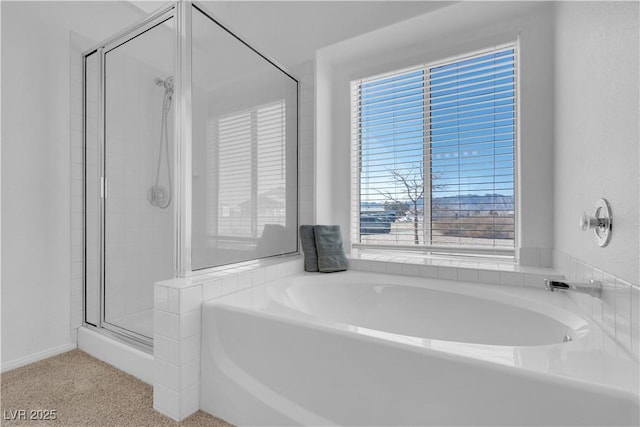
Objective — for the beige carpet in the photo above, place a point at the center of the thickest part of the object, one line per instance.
(85, 392)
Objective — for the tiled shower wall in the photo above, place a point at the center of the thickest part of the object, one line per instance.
(139, 246)
(135, 224)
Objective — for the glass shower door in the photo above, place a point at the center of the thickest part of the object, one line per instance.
(138, 154)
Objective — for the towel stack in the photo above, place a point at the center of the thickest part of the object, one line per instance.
(323, 248)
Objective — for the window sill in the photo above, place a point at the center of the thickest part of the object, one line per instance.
(490, 270)
(266, 269)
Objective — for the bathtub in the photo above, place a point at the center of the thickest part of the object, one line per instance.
(356, 348)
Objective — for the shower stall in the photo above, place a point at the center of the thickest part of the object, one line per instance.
(190, 154)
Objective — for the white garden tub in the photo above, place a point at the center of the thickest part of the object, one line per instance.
(358, 348)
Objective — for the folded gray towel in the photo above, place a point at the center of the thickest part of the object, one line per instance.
(330, 249)
(309, 248)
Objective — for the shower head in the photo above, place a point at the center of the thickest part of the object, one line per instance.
(167, 83)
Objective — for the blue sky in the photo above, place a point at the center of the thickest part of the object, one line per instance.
(470, 121)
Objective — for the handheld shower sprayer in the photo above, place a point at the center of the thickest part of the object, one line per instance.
(158, 195)
(167, 83)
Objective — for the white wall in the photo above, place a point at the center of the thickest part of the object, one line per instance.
(35, 185)
(597, 130)
(36, 168)
(596, 153)
(305, 73)
(453, 30)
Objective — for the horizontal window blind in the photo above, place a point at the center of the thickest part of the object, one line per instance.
(271, 166)
(236, 134)
(434, 154)
(247, 175)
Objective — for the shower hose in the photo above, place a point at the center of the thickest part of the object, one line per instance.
(160, 196)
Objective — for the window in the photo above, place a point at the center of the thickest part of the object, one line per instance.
(434, 155)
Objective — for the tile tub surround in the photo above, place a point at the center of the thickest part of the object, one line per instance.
(177, 310)
(177, 326)
(490, 271)
(617, 312)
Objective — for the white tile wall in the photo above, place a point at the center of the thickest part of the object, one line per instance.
(177, 326)
(140, 243)
(483, 271)
(618, 311)
(133, 267)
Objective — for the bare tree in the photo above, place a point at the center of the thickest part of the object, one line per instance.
(412, 183)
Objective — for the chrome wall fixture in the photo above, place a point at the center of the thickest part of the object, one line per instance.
(593, 287)
(601, 222)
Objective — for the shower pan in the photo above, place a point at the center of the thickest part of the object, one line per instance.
(190, 147)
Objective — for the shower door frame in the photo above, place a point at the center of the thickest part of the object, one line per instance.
(173, 10)
(181, 11)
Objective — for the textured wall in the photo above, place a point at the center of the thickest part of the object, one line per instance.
(38, 297)
(35, 186)
(596, 130)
